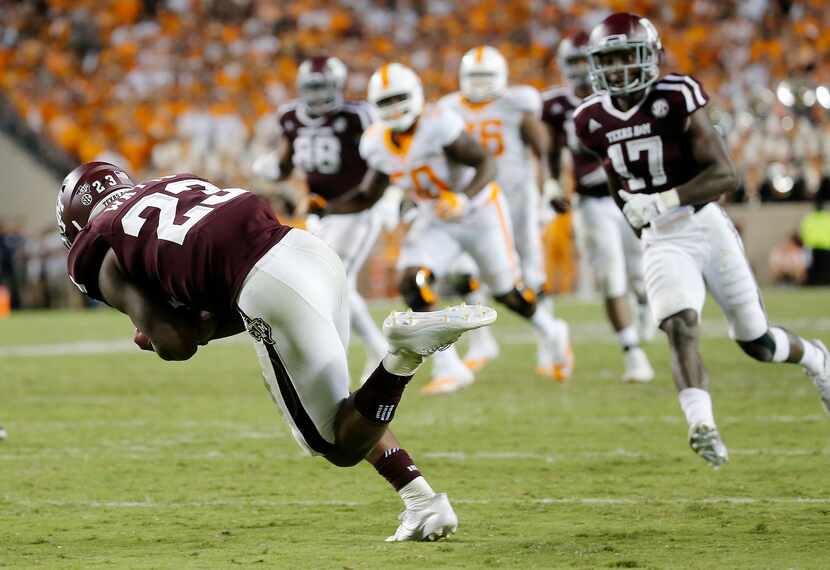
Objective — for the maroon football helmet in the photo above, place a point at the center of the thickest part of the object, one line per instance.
(572, 59)
(320, 83)
(85, 192)
(624, 54)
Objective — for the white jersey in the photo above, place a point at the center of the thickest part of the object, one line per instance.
(419, 165)
(496, 125)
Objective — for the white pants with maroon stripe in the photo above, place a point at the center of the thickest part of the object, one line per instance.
(295, 302)
(687, 253)
(485, 233)
(613, 247)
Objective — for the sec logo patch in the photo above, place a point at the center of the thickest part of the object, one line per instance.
(660, 108)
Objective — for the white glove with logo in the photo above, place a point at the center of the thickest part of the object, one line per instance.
(388, 208)
(641, 209)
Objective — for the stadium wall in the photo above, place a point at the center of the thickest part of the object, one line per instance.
(29, 188)
(762, 227)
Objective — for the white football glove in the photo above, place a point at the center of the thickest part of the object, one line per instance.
(641, 209)
(388, 208)
(451, 206)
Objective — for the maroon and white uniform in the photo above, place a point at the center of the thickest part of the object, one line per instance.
(223, 250)
(685, 249)
(326, 149)
(183, 237)
(611, 244)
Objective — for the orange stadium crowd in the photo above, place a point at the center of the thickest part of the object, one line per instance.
(127, 76)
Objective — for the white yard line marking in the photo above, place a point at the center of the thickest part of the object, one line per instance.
(149, 503)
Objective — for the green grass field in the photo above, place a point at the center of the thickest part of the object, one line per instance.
(117, 459)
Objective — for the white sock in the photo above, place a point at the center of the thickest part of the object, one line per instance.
(628, 337)
(446, 360)
(545, 324)
(416, 494)
(475, 297)
(480, 338)
(813, 359)
(697, 405)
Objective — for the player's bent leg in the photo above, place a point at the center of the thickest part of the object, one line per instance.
(780, 345)
(734, 287)
(449, 374)
(555, 331)
(482, 345)
(427, 515)
(416, 288)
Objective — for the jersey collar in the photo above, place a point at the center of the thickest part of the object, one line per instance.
(612, 110)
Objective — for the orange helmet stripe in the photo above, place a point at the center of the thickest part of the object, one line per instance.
(384, 75)
(479, 54)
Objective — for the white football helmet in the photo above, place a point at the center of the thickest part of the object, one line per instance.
(482, 74)
(397, 94)
(320, 83)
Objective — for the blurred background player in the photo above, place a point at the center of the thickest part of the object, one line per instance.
(667, 166)
(505, 121)
(612, 246)
(320, 135)
(230, 266)
(427, 151)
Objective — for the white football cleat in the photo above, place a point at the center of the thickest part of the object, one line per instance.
(646, 327)
(822, 379)
(483, 348)
(428, 332)
(3, 433)
(706, 442)
(435, 521)
(637, 366)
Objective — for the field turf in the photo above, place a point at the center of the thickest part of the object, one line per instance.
(117, 459)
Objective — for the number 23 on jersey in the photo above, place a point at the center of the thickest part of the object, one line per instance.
(167, 203)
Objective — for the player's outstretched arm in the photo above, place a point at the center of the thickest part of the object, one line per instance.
(361, 197)
(175, 335)
(709, 150)
(465, 150)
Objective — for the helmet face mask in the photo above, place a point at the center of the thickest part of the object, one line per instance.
(623, 70)
(624, 55)
(320, 83)
(396, 93)
(572, 59)
(482, 74)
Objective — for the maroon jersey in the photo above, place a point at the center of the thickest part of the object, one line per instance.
(180, 237)
(326, 148)
(648, 146)
(558, 105)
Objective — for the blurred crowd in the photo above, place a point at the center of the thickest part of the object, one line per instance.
(192, 85)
